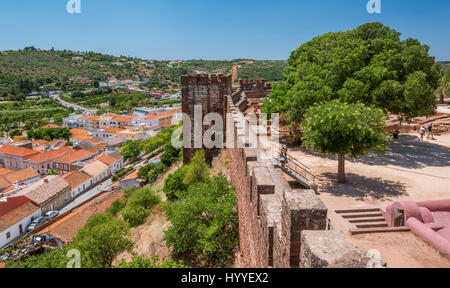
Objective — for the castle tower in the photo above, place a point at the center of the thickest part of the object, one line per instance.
(207, 91)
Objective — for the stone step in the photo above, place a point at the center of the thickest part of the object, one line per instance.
(356, 210)
(366, 220)
(379, 230)
(372, 225)
(362, 215)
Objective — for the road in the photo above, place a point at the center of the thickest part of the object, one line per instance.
(87, 196)
(74, 106)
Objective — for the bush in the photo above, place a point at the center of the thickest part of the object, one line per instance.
(139, 262)
(141, 202)
(170, 155)
(205, 223)
(116, 207)
(173, 186)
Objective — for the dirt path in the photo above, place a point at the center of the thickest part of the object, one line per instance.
(410, 170)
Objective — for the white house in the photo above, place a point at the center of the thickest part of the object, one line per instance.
(16, 214)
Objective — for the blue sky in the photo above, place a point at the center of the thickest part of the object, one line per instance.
(210, 29)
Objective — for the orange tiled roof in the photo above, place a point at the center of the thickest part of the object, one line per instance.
(76, 178)
(75, 156)
(122, 119)
(16, 151)
(92, 118)
(67, 228)
(21, 175)
(94, 140)
(39, 142)
(18, 210)
(4, 171)
(4, 183)
(77, 131)
(161, 115)
(133, 175)
(41, 157)
(107, 159)
(80, 137)
(114, 130)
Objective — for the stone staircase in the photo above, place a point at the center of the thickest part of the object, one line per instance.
(366, 220)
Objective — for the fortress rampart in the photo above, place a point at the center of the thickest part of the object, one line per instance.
(279, 226)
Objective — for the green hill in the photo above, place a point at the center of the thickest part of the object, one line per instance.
(29, 69)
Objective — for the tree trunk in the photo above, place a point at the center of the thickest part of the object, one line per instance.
(341, 169)
(441, 100)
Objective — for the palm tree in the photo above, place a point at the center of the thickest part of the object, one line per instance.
(444, 85)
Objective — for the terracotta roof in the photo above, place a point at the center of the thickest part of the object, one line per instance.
(75, 156)
(77, 131)
(116, 155)
(4, 171)
(122, 119)
(21, 175)
(39, 149)
(41, 157)
(76, 178)
(108, 160)
(67, 228)
(51, 126)
(18, 210)
(45, 189)
(39, 142)
(94, 140)
(161, 115)
(4, 183)
(92, 118)
(17, 151)
(95, 168)
(80, 137)
(133, 175)
(114, 130)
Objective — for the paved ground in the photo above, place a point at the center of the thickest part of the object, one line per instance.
(443, 109)
(410, 170)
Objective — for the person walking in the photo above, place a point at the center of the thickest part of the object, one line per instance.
(430, 132)
(422, 133)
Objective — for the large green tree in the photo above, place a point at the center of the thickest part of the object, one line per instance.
(444, 85)
(369, 64)
(344, 129)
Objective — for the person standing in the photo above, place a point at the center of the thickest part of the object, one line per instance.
(422, 133)
(430, 132)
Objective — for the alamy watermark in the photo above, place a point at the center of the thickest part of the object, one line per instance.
(73, 6)
(374, 6)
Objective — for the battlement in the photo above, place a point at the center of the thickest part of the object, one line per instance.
(254, 84)
(206, 79)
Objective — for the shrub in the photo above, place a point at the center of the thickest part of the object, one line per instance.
(116, 207)
(173, 186)
(141, 202)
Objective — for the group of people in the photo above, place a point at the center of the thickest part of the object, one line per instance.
(423, 130)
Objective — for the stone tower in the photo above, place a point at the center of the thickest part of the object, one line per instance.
(207, 91)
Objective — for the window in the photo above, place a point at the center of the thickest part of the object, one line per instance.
(8, 235)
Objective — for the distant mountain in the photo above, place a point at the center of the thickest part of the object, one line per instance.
(29, 69)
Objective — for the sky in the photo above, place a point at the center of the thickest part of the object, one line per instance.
(210, 29)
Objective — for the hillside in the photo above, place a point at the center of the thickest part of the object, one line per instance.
(29, 69)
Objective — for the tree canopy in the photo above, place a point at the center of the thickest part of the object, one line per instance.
(344, 129)
(369, 64)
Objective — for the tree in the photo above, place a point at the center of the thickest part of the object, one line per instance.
(102, 240)
(173, 185)
(197, 170)
(369, 64)
(444, 85)
(139, 262)
(205, 223)
(344, 129)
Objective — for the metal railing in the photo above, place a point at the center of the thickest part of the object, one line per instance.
(295, 165)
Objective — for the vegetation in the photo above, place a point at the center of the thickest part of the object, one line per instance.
(344, 129)
(369, 64)
(99, 243)
(49, 134)
(139, 262)
(133, 149)
(139, 205)
(444, 85)
(268, 70)
(121, 174)
(204, 218)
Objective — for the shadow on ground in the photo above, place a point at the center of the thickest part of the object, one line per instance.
(361, 187)
(408, 152)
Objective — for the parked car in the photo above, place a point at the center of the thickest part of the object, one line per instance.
(51, 215)
(36, 223)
